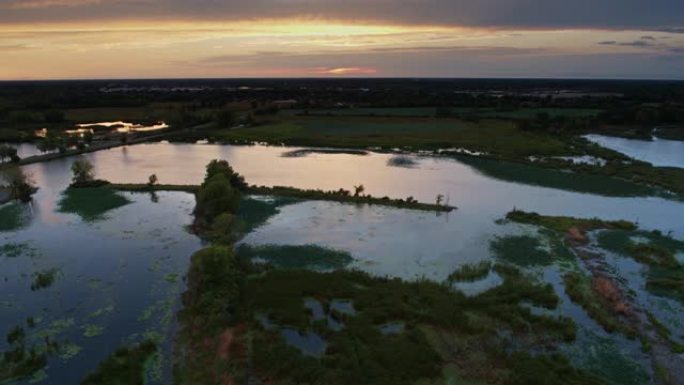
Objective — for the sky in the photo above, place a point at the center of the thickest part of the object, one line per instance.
(110, 39)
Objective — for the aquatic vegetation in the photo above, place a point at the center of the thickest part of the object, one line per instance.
(603, 357)
(402, 161)
(171, 277)
(56, 327)
(254, 212)
(665, 275)
(101, 311)
(91, 204)
(69, 351)
(607, 185)
(324, 151)
(14, 216)
(564, 224)
(44, 279)
(295, 257)
(521, 250)
(91, 331)
(38, 377)
(21, 361)
(469, 273)
(14, 250)
(580, 289)
(125, 366)
(228, 298)
(346, 196)
(554, 369)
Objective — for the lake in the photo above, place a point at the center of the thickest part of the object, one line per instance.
(658, 152)
(119, 271)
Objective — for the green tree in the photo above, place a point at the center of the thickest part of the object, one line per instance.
(222, 167)
(20, 184)
(8, 152)
(152, 180)
(216, 196)
(83, 172)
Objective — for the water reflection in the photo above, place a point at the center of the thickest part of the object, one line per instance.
(114, 284)
(476, 195)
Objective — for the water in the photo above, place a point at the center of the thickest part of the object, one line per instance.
(658, 152)
(121, 273)
(118, 278)
(480, 198)
(386, 241)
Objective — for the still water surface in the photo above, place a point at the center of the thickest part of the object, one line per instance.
(658, 152)
(118, 281)
(122, 273)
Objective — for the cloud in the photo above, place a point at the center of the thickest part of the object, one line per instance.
(611, 14)
(36, 4)
(636, 43)
(13, 47)
(339, 71)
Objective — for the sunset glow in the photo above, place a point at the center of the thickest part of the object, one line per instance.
(108, 39)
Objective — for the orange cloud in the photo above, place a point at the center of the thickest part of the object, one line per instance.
(346, 71)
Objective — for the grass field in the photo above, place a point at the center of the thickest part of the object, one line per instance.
(522, 113)
(496, 137)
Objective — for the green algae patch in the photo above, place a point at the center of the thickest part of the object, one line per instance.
(69, 351)
(125, 366)
(22, 361)
(521, 250)
(470, 273)
(90, 331)
(44, 278)
(14, 216)
(20, 249)
(295, 257)
(91, 204)
(255, 212)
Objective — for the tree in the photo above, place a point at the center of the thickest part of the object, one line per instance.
(225, 118)
(152, 180)
(88, 137)
(222, 167)
(224, 229)
(439, 199)
(8, 152)
(358, 190)
(20, 185)
(215, 197)
(84, 172)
